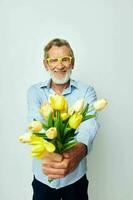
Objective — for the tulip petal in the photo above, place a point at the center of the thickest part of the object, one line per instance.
(49, 147)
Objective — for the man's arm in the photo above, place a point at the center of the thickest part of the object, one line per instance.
(88, 129)
(86, 134)
(33, 103)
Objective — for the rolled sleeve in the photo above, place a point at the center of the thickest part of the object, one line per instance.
(33, 104)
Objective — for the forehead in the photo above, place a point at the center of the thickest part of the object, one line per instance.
(56, 51)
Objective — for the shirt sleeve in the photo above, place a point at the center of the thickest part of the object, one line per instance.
(88, 129)
(33, 104)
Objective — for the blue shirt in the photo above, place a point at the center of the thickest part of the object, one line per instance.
(37, 94)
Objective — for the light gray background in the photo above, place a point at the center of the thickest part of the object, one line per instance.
(100, 33)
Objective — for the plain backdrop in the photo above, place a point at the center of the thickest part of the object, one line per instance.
(101, 34)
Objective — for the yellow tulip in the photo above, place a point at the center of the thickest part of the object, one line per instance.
(51, 133)
(77, 107)
(58, 102)
(65, 105)
(30, 138)
(37, 155)
(45, 110)
(49, 146)
(40, 146)
(26, 138)
(35, 126)
(64, 116)
(35, 140)
(38, 150)
(100, 104)
(75, 120)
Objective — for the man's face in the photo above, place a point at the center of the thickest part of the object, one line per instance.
(59, 64)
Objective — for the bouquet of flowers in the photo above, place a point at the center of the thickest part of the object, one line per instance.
(57, 132)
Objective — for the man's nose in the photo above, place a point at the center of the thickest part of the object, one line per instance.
(60, 65)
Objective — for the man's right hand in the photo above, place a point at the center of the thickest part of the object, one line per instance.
(53, 166)
(59, 165)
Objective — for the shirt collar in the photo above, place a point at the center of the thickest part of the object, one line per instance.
(47, 83)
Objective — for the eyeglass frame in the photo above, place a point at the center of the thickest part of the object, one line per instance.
(59, 60)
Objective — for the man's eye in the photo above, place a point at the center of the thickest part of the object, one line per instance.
(53, 60)
(65, 59)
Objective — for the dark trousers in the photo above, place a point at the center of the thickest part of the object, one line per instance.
(75, 191)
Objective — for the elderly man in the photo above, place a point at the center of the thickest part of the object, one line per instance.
(68, 169)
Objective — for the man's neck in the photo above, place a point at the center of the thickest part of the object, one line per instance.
(59, 88)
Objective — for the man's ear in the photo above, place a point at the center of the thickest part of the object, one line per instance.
(72, 66)
(45, 65)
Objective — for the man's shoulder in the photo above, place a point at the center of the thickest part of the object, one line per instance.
(86, 90)
(37, 86)
(82, 85)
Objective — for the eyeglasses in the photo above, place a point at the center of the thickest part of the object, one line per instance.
(53, 62)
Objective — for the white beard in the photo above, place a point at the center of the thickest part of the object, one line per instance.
(63, 80)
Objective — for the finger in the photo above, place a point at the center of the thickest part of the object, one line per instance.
(49, 170)
(56, 165)
(53, 176)
(53, 156)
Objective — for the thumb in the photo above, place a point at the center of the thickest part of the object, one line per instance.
(68, 153)
(52, 156)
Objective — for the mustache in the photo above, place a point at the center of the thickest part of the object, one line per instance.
(59, 70)
(62, 70)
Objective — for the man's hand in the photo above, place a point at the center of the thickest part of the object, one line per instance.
(59, 165)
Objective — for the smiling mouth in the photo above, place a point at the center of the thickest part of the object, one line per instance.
(60, 72)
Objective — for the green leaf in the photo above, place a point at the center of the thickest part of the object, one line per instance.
(88, 117)
(57, 125)
(69, 139)
(62, 128)
(70, 133)
(41, 135)
(70, 145)
(60, 146)
(67, 129)
(50, 180)
(50, 120)
(45, 126)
